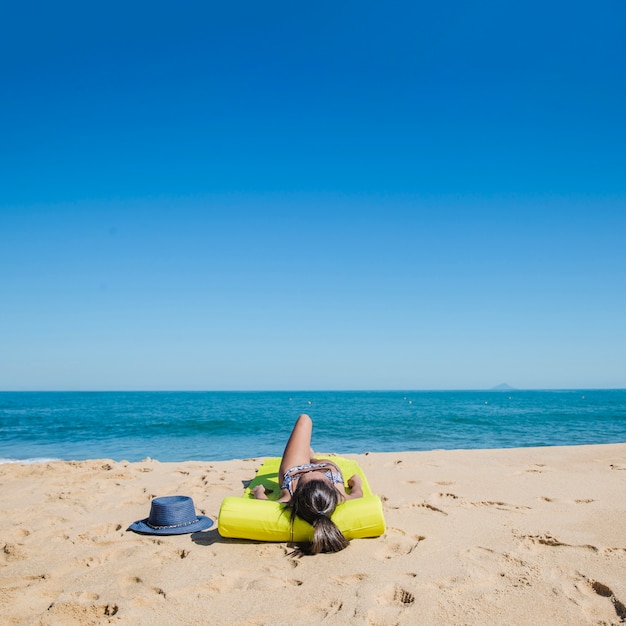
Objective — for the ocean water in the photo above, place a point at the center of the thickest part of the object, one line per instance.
(180, 426)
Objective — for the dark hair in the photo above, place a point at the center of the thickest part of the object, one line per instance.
(314, 502)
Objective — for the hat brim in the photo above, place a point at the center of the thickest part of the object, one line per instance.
(142, 527)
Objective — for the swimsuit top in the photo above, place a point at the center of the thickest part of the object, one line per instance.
(334, 476)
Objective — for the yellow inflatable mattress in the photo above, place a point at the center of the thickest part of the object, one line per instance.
(267, 520)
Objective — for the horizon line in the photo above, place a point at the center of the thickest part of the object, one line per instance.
(497, 388)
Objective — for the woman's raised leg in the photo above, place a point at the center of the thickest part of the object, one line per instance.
(298, 448)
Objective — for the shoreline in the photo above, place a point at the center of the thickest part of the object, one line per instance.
(355, 455)
(474, 536)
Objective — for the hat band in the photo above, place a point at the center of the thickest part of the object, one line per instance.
(193, 521)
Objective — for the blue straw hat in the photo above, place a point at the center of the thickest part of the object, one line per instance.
(172, 515)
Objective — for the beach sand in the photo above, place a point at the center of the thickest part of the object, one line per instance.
(524, 536)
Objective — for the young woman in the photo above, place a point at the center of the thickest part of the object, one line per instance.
(312, 489)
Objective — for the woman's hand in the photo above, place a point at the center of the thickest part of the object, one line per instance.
(355, 484)
(259, 492)
(354, 480)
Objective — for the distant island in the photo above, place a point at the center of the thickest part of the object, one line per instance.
(503, 387)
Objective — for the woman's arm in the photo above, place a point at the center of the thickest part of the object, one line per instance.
(259, 493)
(356, 489)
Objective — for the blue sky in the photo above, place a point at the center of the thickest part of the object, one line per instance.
(337, 196)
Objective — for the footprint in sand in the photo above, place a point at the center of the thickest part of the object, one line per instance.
(87, 613)
(100, 533)
(272, 583)
(591, 597)
(227, 582)
(13, 552)
(577, 501)
(392, 604)
(503, 506)
(602, 590)
(452, 496)
(426, 505)
(397, 596)
(11, 586)
(548, 540)
(410, 505)
(351, 580)
(331, 608)
(397, 544)
(91, 561)
(502, 568)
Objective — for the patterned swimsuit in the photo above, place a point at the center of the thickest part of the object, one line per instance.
(293, 472)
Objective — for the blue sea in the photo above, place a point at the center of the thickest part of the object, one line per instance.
(179, 426)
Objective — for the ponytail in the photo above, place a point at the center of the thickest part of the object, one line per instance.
(326, 536)
(315, 502)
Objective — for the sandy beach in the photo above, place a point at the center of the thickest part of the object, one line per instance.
(523, 536)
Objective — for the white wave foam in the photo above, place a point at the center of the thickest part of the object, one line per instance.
(33, 461)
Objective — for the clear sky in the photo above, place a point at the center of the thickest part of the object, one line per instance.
(337, 195)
